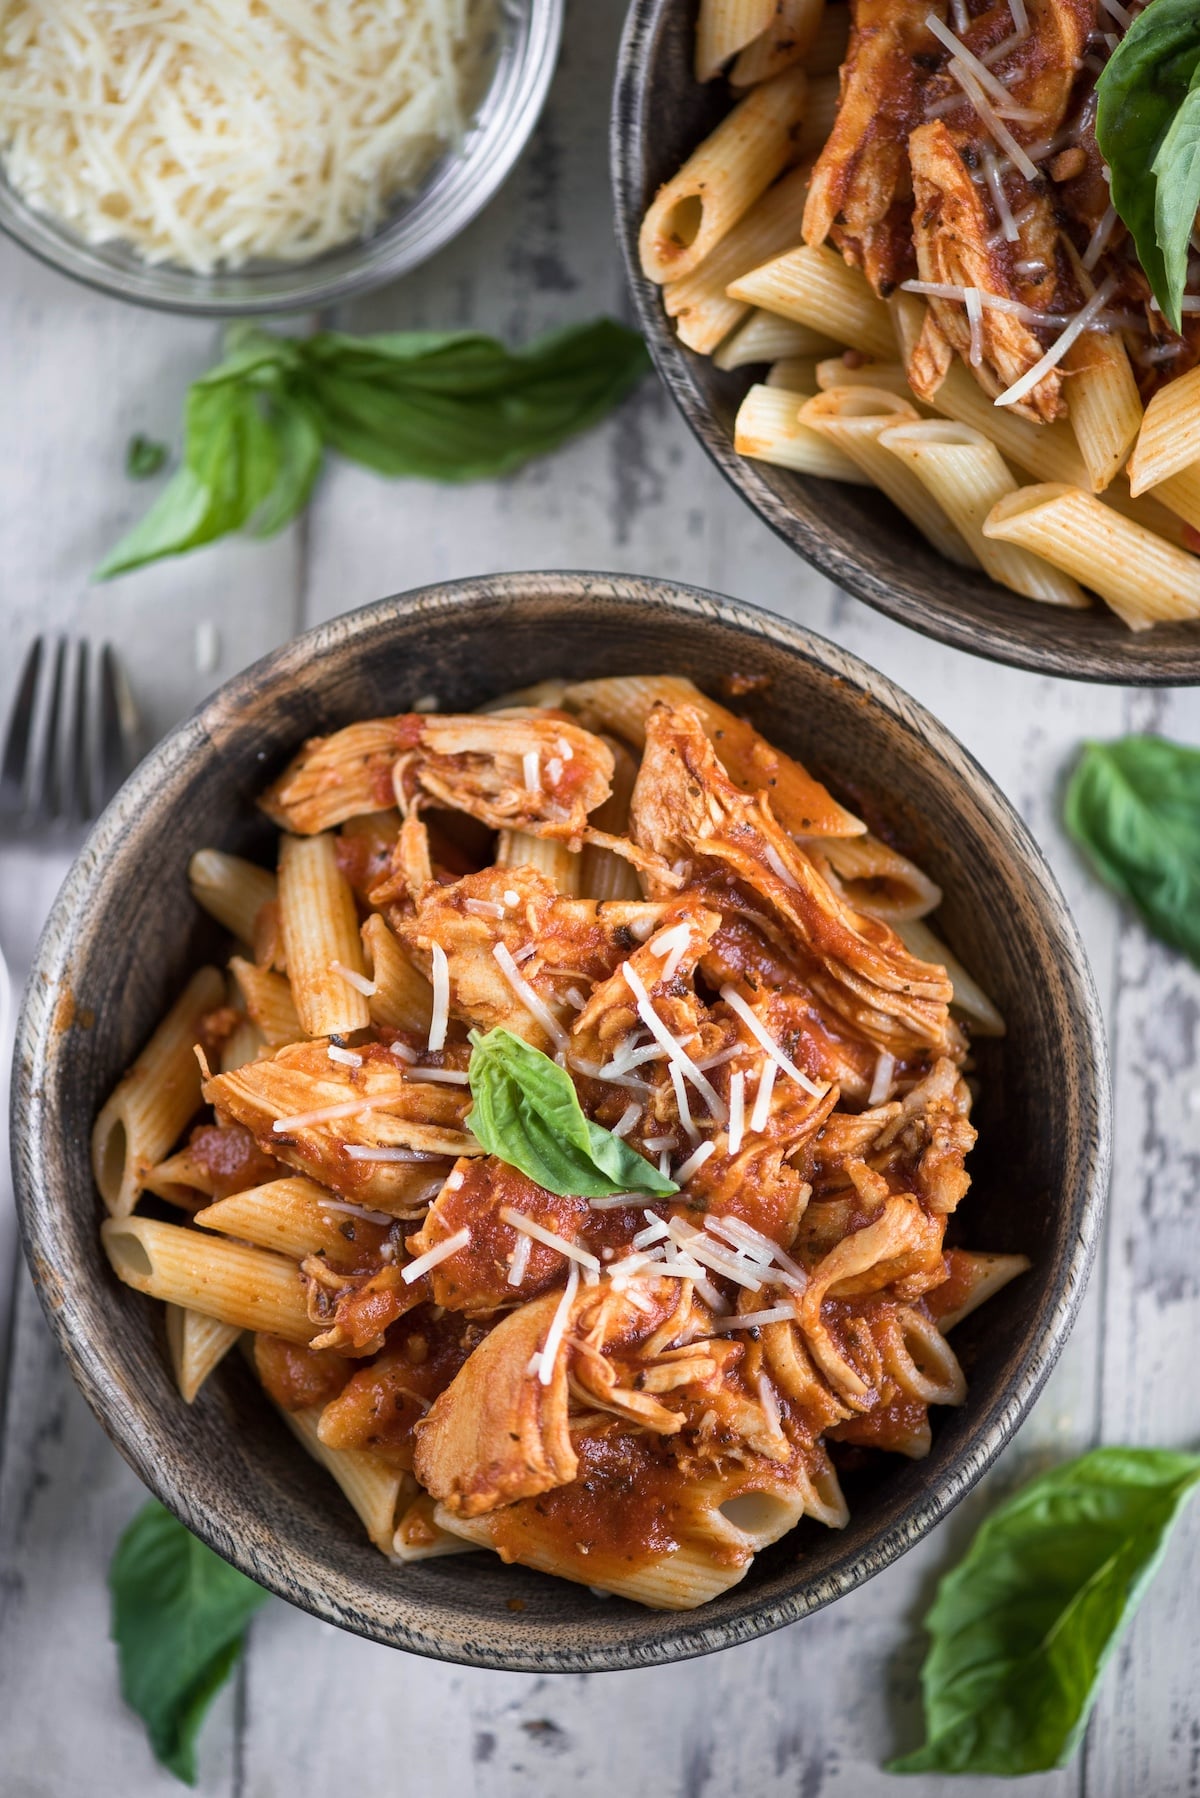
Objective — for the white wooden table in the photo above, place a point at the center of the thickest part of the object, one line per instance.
(815, 1709)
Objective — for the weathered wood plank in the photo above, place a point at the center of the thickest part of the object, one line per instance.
(1147, 1735)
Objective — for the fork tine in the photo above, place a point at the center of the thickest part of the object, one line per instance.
(40, 781)
(14, 766)
(115, 730)
(71, 793)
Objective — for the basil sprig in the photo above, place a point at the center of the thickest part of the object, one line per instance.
(1023, 1627)
(527, 1113)
(1133, 806)
(1148, 132)
(443, 405)
(179, 1616)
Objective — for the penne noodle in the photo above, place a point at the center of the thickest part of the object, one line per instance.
(243, 1044)
(335, 778)
(373, 1489)
(794, 374)
(231, 890)
(269, 1003)
(157, 1097)
(1105, 406)
(723, 27)
(197, 1344)
(562, 866)
(975, 1278)
(1142, 578)
(768, 429)
(765, 337)
(877, 878)
(1149, 511)
(1180, 493)
(544, 695)
(819, 113)
(815, 287)
(966, 476)
(237, 1285)
(790, 36)
(854, 418)
(840, 371)
(403, 998)
(969, 997)
(703, 312)
(295, 1217)
(721, 180)
(419, 1537)
(1169, 439)
(918, 1358)
(605, 875)
(320, 928)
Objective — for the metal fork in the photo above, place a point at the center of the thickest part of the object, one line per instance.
(72, 736)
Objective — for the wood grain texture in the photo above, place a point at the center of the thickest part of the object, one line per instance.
(852, 534)
(811, 1710)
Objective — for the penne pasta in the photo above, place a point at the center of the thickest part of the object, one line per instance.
(373, 1489)
(244, 1287)
(231, 890)
(794, 374)
(419, 1537)
(827, 51)
(1180, 493)
(1169, 440)
(969, 997)
(768, 429)
(403, 998)
(605, 875)
(197, 1344)
(1149, 511)
(966, 475)
(1142, 578)
(1106, 408)
(157, 1097)
(703, 312)
(974, 1278)
(855, 371)
(877, 878)
(721, 180)
(814, 287)
(765, 337)
(561, 865)
(790, 36)
(269, 1003)
(723, 27)
(854, 419)
(819, 113)
(320, 937)
(1048, 451)
(295, 1217)
(243, 1044)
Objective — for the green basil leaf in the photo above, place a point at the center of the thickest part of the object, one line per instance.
(1148, 132)
(462, 407)
(527, 1113)
(144, 457)
(1133, 806)
(179, 1616)
(1023, 1627)
(300, 452)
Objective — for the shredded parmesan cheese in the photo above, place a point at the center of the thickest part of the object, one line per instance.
(483, 908)
(520, 1261)
(441, 1000)
(207, 133)
(881, 1085)
(1004, 213)
(402, 1052)
(737, 1110)
(1099, 238)
(694, 1162)
(444, 1076)
(762, 1099)
(758, 1320)
(532, 771)
(975, 320)
(770, 1404)
(323, 1114)
(346, 1057)
(371, 1217)
(1058, 349)
(550, 1238)
(363, 1152)
(766, 1041)
(627, 1119)
(677, 1053)
(441, 1251)
(529, 999)
(989, 117)
(558, 1327)
(353, 978)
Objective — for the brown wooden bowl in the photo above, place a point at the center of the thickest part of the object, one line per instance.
(852, 534)
(125, 933)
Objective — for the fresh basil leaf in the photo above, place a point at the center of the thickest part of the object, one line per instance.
(179, 1616)
(1023, 1627)
(527, 1113)
(144, 457)
(1133, 806)
(1148, 132)
(300, 453)
(462, 407)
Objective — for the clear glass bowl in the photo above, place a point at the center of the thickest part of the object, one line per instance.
(529, 33)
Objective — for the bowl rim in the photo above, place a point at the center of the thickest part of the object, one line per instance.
(116, 1408)
(39, 234)
(1140, 661)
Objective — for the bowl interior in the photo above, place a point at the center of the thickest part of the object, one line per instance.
(119, 944)
(526, 34)
(853, 534)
